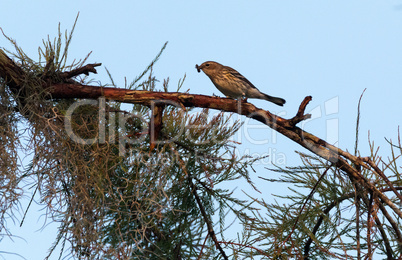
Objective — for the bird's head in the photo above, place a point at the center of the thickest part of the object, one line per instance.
(209, 67)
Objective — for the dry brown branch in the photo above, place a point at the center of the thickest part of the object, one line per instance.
(357, 205)
(300, 116)
(155, 124)
(82, 70)
(12, 74)
(382, 175)
(204, 214)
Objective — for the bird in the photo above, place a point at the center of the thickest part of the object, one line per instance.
(232, 84)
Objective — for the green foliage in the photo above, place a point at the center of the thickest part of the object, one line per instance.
(157, 211)
(325, 225)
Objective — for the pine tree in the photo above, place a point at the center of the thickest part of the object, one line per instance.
(144, 182)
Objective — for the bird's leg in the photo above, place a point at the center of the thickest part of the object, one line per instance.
(243, 97)
(239, 101)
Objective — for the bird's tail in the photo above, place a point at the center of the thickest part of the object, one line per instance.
(275, 100)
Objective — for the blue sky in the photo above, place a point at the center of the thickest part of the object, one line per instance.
(331, 50)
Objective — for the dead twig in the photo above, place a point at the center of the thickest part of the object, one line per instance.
(300, 116)
(305, 203)
(81, 70)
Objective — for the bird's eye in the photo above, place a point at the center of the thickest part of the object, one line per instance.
(207, 65)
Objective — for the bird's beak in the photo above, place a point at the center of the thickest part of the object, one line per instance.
(198, 68)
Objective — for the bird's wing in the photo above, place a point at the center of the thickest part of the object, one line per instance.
(238, 75)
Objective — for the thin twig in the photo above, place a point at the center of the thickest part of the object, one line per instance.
(382, 175)
(369, 211)
(155, 124)
(305, 203)
(203, 245)
(358, 122)
(392, 222)
(204, 214)
(29, 205)
(357, 202)
(248, 246)
(385, 240)
(300, 116)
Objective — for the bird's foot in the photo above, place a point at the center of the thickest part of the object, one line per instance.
(244, 98)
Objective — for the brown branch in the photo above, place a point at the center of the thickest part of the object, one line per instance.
(392, 222)
(370, 212)
(155, 124)
(82, 70)
(382, 175)
(12, 73)
(67, 90)
(368, 203)
(305, 203)
(208, 222)
(382, 231)
(357, 204)
(202, 247)
(204, 214)
(300, 116)
(248, 246)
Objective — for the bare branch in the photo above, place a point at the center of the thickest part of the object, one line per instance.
(155, 124)
(300, 116)
(305, 203)
(82, 70)
(382, 175)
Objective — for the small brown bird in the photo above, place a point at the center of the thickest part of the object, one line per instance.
(232, 84)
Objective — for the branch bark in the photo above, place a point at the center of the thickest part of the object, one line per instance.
(82, 70)
(155, 125)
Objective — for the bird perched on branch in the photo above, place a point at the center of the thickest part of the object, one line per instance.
(232, 84)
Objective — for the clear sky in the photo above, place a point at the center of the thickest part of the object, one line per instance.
(331, 50)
